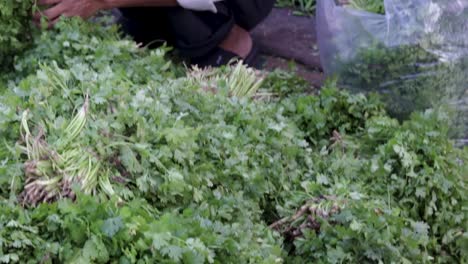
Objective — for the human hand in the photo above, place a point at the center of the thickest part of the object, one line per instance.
(68, 8)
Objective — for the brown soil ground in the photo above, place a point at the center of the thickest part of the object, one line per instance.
(284, 38)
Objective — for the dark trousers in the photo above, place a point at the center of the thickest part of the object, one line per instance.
(193, 34)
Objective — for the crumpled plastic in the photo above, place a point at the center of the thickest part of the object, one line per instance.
(415, 56)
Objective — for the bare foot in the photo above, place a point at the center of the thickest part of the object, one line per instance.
(238, 42)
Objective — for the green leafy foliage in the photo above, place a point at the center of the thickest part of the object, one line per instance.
(374, 6)
(333, 110)
(87, 231)
(378, 185)
(15, 29)
(302, 7)
(307, 7)
(203, 177)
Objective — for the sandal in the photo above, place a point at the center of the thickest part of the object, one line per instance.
(219, 57)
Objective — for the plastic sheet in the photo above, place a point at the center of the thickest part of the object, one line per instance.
(415, 56)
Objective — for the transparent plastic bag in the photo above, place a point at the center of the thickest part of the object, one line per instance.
(415, 56)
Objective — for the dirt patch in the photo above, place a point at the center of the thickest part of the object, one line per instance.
(288, 36)
(285, 38)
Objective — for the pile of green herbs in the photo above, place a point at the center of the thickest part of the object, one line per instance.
(15, 21)
(198, 175)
